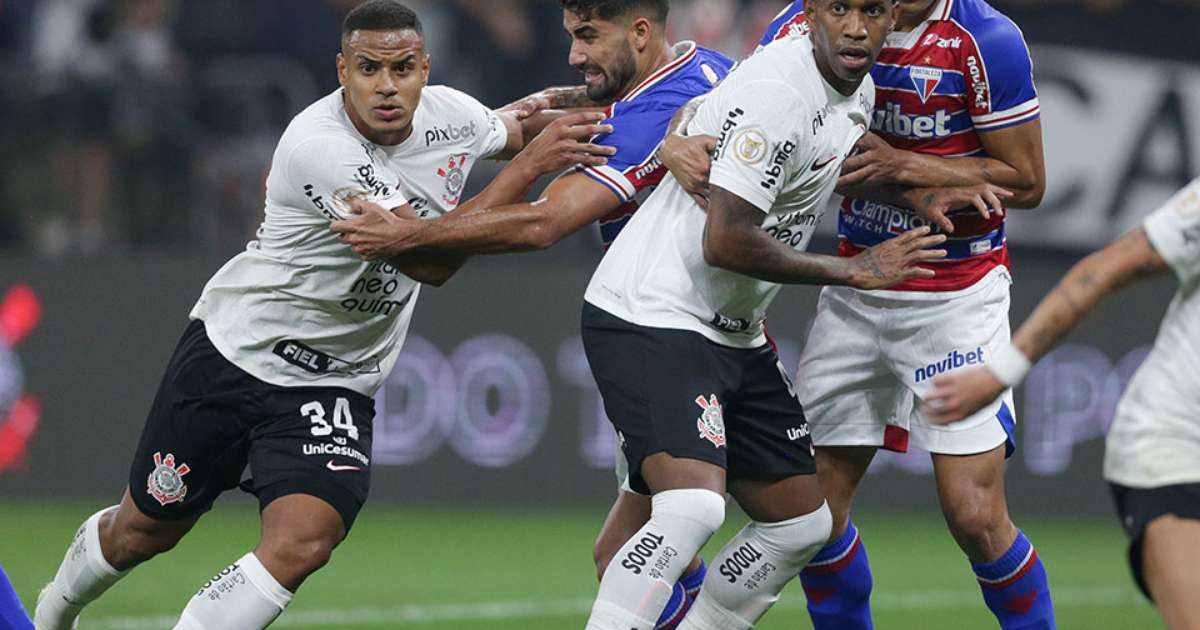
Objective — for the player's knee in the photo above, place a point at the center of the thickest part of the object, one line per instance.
(974, 523)
(302, 557)
(800, 537)
(705, 508)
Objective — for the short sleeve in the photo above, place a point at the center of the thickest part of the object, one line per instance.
(759, 143)
(326, 171)
(789, 22)
(1174, 231)
(638, 130)
(999, 77)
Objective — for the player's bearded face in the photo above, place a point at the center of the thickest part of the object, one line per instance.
(601, 50)
(847, 36)
(383, 73)
(604, 83)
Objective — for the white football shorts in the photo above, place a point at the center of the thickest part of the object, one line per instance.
(871, 356)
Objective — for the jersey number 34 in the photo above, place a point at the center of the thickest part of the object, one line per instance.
(342, 419)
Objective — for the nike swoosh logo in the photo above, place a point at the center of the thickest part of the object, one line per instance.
(335, 468)
(820, 165)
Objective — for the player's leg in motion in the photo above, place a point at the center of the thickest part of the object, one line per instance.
(12, 613)
(629, 513)
(106, 547)
(790, 522)
(1011, 576)
(687, 506)
(837, 581)
(1170, 555)
(299, 533)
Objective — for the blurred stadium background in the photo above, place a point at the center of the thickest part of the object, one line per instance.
(136, 135)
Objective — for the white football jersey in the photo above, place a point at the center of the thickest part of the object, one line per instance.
(1155, 436)
(299, 307)
(783, 135)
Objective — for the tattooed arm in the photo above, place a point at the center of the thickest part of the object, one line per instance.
(1014, 161)
(734, 240)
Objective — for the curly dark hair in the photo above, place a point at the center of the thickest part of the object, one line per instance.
(611, 9)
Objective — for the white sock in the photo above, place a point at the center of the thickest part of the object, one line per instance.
(243, 597)
(640, 578)
(83, 576)
(746, 577)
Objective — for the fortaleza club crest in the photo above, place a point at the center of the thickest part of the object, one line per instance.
(166, 481)
(711, 423)
(456, 178)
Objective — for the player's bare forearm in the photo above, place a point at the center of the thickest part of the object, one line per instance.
(1014, 161)
(430, 269)
(1130, 258)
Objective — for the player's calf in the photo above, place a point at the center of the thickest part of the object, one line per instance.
(105, 548)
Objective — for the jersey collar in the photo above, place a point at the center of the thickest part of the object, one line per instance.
(686, 51)
(941, 11)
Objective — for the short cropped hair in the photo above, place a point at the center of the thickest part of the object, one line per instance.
(611, 9)
(381, 15)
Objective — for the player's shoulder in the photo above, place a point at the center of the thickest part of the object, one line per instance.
(323, 123)
(991, 30)
(790, 21)
(444, 97)
(695, 70)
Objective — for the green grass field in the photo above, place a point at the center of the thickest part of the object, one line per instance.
(500, 570)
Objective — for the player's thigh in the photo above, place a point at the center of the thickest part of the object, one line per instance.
(1173, 512)
(663, 390)
(1171, 555)
(315, 441)
(928, 338)
(843, 381)
(195, 440)
(772, 471)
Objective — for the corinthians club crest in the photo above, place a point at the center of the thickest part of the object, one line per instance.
(165, 483)
(455, 175)
(711, 423)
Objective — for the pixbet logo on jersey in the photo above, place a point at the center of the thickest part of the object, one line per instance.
(20, 311)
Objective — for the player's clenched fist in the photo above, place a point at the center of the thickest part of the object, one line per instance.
(565, 142)
(377, 233)
(897, 260)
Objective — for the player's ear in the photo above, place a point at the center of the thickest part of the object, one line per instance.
(641, 31)
(342, 70)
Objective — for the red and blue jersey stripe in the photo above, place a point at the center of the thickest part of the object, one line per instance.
(640, 121)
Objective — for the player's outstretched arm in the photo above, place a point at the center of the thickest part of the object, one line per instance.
(378, 234)
(960, 394)
(1015, 162)
(734, 240)
(529, 117)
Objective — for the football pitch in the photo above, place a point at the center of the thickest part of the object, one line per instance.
(502, 569)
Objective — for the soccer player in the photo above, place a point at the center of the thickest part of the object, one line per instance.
(673, 326)
(1152, 459)
(955, 105)
(291, 338)
(622, 49)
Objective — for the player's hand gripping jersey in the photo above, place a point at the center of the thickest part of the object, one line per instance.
(298, 307)
(640, 122)
(966, 69)
(783, 135)
(1156, 432)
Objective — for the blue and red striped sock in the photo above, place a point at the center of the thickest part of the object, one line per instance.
(686, 590)
(1015, 588)
(838, 582)
(12, 612)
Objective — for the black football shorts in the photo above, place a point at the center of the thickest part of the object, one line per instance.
(210, 420)
(1138, 507)
(677, 392)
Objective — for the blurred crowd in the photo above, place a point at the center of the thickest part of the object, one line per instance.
(148, 125)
